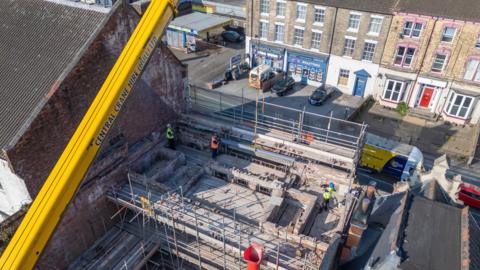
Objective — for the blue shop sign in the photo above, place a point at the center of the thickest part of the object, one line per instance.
(318, 62)
(279, 52)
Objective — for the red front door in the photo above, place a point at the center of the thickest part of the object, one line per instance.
(426, 97)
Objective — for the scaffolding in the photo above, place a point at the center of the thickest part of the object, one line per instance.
(188, 232)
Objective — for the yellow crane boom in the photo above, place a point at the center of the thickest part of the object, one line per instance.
(46, 210)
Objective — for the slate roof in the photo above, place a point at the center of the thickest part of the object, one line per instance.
(38, 40)
(432, 236)
(453, 9)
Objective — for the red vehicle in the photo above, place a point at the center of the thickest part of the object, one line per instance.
(469, 194)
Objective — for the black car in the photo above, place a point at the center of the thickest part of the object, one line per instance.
(283, 85)
(232, 36)
(240, 30)
(320, 94)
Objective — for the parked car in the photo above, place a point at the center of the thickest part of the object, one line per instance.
(320, 95)
(283, 85)
(232, 36)
(469, 194)
(235, 28)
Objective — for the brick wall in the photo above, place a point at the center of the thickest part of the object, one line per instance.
(156, 100)
(362, 34)
(394, 38)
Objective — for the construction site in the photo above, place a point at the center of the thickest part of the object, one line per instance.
(180, 209)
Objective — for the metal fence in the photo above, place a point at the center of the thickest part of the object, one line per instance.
(266, 117)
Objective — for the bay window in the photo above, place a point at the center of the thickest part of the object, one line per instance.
(459, 105)
(394, 91)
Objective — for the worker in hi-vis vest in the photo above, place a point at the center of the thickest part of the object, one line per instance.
(170, 137)
(327, 195)
(215, 142)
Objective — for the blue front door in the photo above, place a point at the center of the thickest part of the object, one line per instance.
(359, 88)
(304, 76)
(360, 82)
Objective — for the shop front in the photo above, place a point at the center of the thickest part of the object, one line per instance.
(306, 68)
(264, 54)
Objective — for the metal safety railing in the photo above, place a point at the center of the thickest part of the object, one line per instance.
(266, 117)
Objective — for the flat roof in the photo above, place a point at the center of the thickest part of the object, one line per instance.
(197, 22)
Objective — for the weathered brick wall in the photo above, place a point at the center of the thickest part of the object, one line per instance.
(362, 34)
(394, 39)
(465, 49)
(156, 100)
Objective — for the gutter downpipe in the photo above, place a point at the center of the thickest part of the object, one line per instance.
(423, 61)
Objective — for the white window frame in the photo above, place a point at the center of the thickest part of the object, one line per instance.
(297, 12)
(443, 34)
(267, 7)
(284, 3)
(451, 104)
(413, 29)
(345, 45)
(341, 74)
(477, 42)
(444, 64)
(475, 76)
(319, 41)
(350, 29)
(404, 56)
(374, 49)
(295, 37)
(392, 91)
(283, 32)
(315, 15)
(372, 17)
(260, 28)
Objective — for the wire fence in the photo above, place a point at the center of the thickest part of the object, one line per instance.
(266, 117)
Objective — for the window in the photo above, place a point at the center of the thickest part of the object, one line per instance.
(411, 29)
(319, 15)
(472, 72)
(353, 22)
(375, 25)
(459, 105)
(301, 12)
(316, 40)
(368, 51)
(349, 47)
(404, 56)
(448, 34)
(477, 43)
(343, 77)
(264, 6)
(298, 37)
(394, 91)
(279, 30)
(280, 9)
(439, 62)
(263, 30)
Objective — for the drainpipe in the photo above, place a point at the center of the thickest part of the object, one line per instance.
(331, 43)
(423, 61)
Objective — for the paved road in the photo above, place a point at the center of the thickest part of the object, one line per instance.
(470, 175)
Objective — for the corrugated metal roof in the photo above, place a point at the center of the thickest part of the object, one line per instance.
(38, 39)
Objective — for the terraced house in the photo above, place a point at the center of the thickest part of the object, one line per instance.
(306, 39)
(424, 53)
(431, 60)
